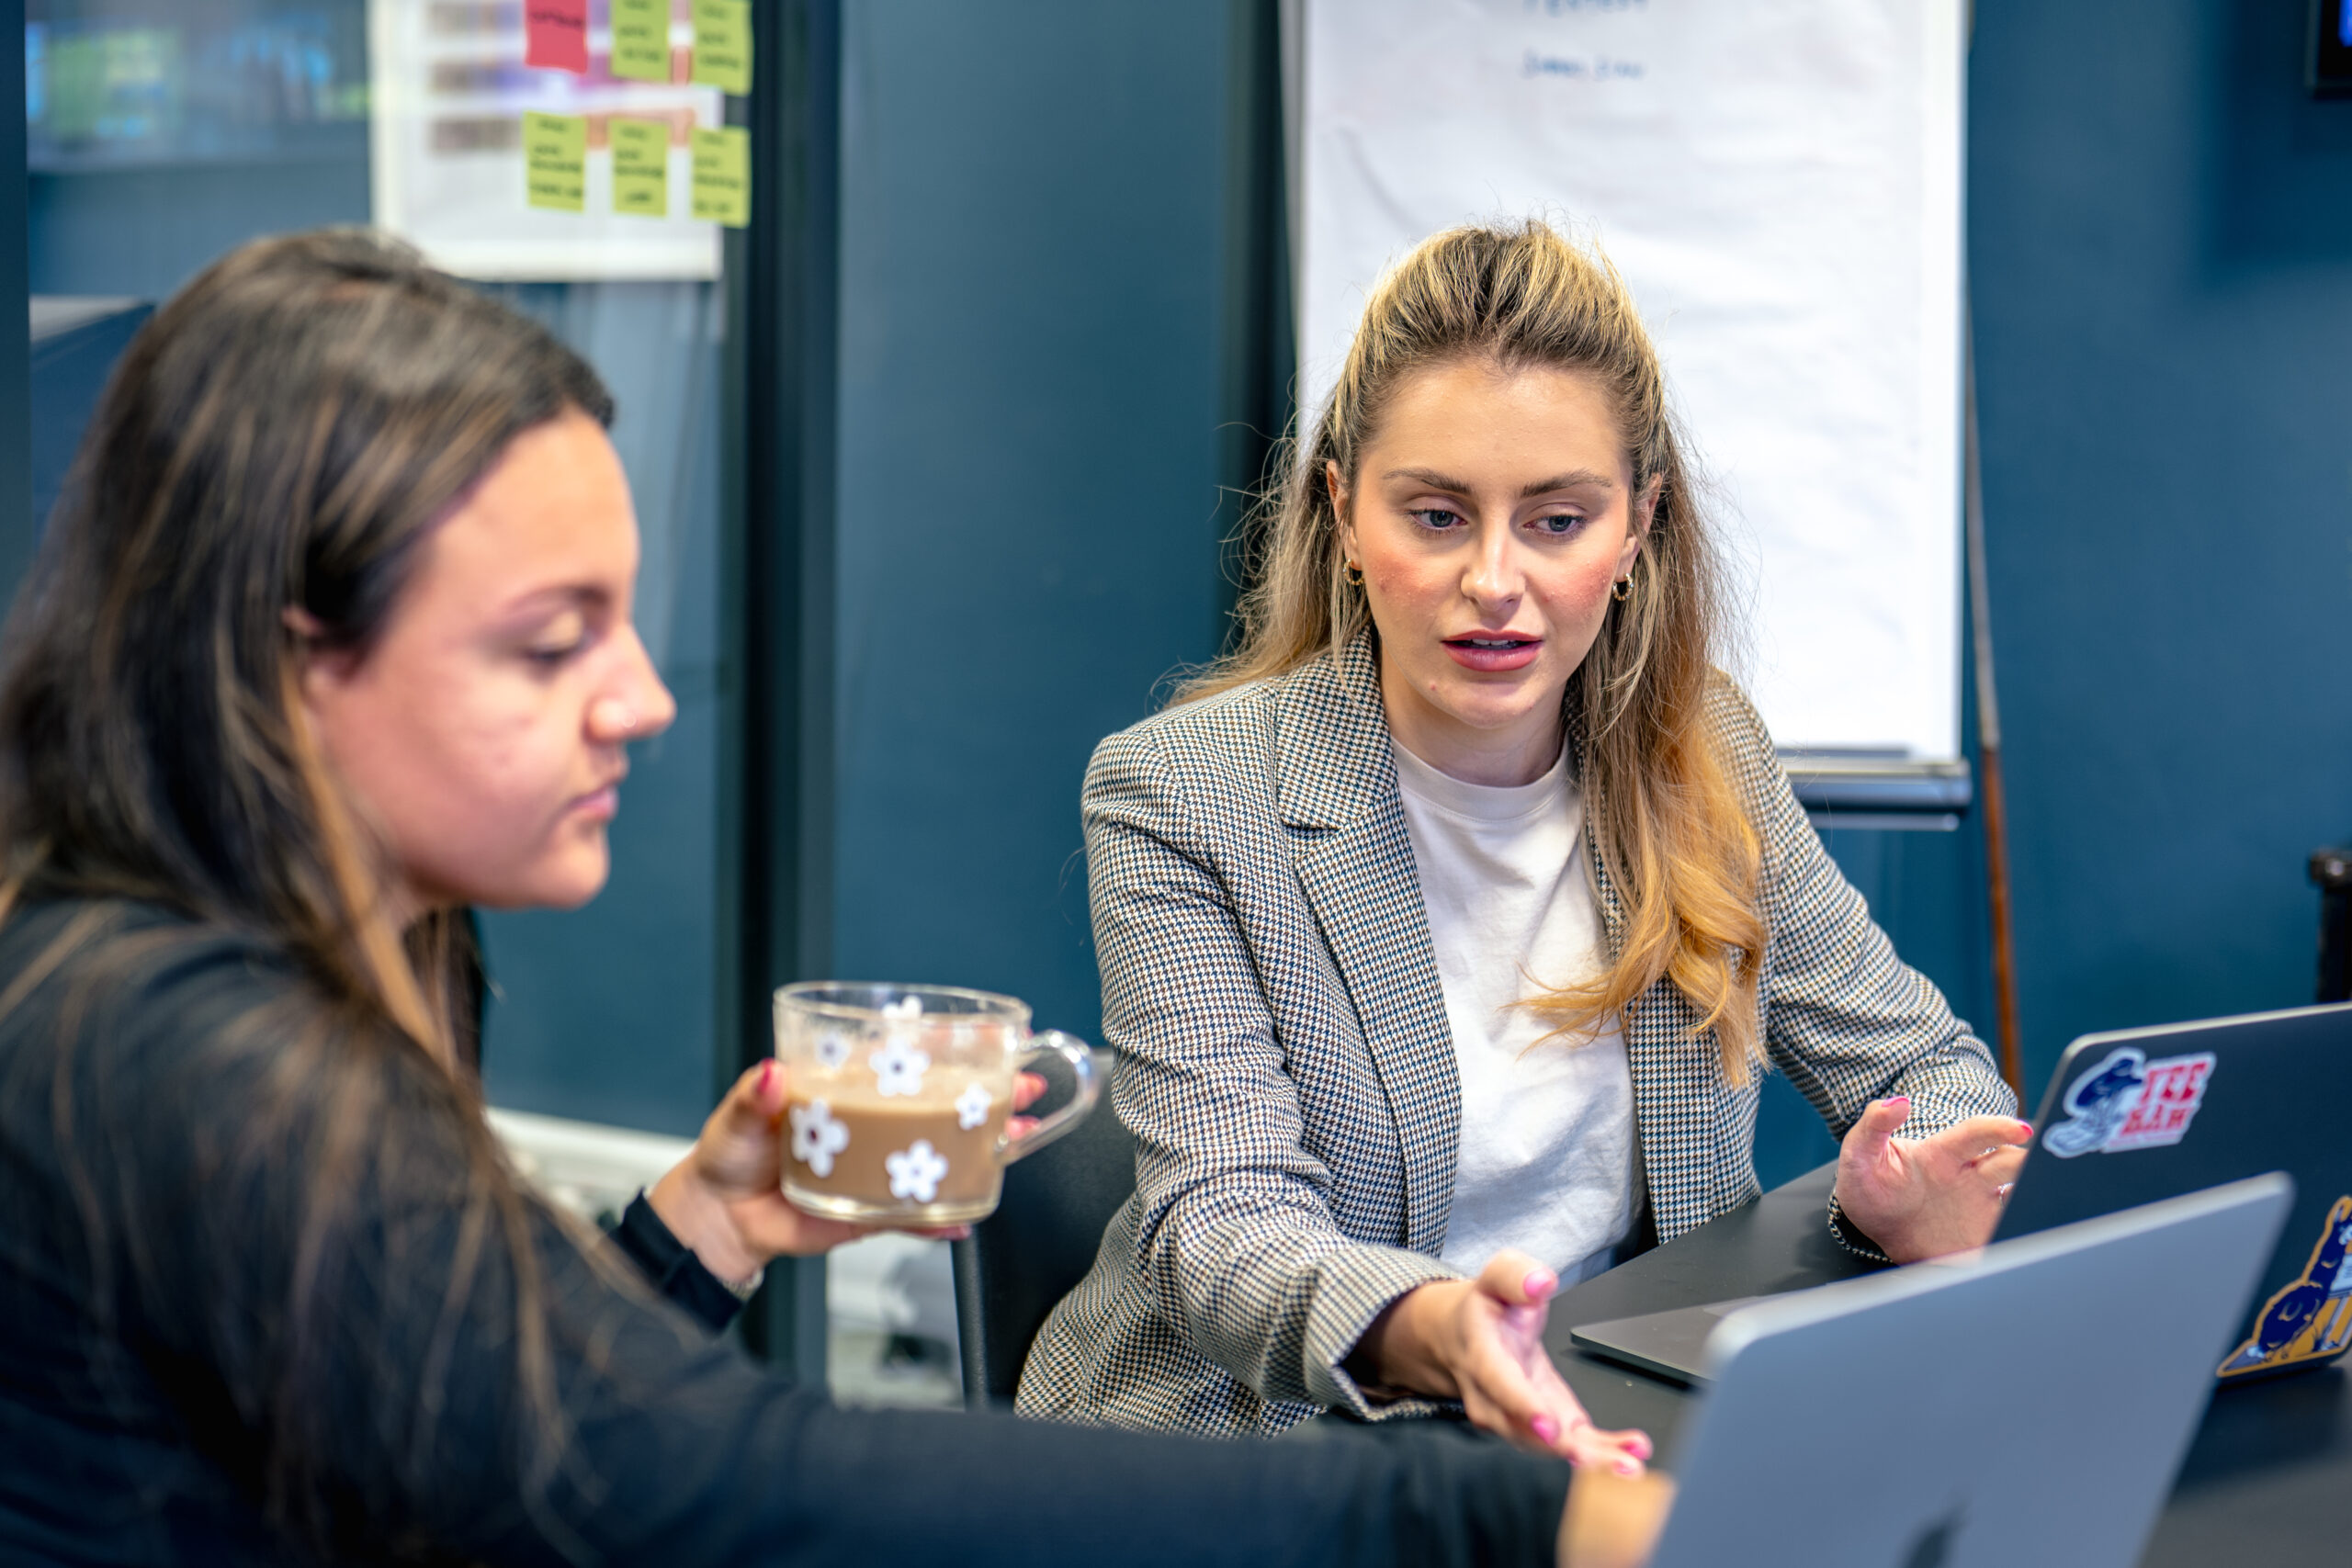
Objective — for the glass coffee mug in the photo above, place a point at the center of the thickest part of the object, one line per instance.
(898, 1096)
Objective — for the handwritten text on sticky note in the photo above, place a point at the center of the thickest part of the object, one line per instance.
(723, 45)
(723, 191)
(555, 35)
(641, 166)
(554, 161)
(642, 40)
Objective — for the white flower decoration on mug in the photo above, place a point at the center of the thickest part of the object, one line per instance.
(915, 1171)
(898, 1067)
(832, 1049)
(972, 1107)
(817, 1137)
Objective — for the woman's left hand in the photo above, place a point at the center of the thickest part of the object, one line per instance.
(725, 1201)
(1923, 1198)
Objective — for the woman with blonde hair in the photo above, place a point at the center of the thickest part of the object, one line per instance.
(1447, 926)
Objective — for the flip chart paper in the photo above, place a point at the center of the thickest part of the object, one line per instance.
(555, 35)
(554, 161)
(1778, 181)
(723, 45)
(642, 40)
(641, 166)
(722, 192)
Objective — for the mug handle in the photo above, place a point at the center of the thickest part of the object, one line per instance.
(1071, 1049)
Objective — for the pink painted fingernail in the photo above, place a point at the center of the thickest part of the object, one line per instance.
(1545, 1428)
(768, 1077)
(1539, 1283)
(1629, 1467)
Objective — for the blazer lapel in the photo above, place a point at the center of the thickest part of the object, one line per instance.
(1338, 782)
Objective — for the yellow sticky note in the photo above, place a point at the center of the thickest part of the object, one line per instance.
(723, 45)
(723, 175)
(641, 166)
(555, 160)
(642, 40)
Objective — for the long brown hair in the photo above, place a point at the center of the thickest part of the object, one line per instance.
(282, 437)
(1664, 808)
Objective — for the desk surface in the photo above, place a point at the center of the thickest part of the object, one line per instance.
(2271, 1468)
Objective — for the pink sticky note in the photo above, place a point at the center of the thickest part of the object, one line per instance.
(554, 34)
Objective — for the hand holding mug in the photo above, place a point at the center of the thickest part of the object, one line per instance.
(902, 1099)
(725, 1200)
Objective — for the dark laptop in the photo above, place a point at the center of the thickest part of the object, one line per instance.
(2147, 1114)
(2144, 1114)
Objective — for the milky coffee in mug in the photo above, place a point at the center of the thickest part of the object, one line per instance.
(898, 1096)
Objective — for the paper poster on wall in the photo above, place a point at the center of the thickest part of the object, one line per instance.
(1779, 181)
(448, 160)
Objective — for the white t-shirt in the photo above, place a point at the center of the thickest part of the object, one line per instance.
(1548, 1158)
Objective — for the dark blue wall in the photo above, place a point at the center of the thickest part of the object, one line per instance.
(2161, 239)
(1035, 367)
(142, 232)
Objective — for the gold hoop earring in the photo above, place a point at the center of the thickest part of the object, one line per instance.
(1624, 589)
(1355, 574)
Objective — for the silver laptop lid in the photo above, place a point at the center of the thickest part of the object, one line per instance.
(2025, 1404)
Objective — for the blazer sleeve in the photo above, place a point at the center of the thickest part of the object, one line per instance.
(1236, 1237)
(1845, 1018)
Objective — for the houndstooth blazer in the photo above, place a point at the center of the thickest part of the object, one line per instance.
(1285, 1064)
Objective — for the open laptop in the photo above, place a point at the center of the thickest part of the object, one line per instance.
(2146, 1113)
(2068, 1371)
(2139, 1114)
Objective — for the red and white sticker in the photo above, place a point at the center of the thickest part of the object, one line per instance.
(2131, 1102)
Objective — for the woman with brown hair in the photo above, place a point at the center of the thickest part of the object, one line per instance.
(1446, 926)
(330, 640)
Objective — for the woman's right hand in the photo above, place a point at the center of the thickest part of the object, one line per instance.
(1481, 1341)
(725, 1201)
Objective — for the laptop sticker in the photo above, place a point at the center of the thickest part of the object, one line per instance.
(2130, 1103)
(2310, 1320)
